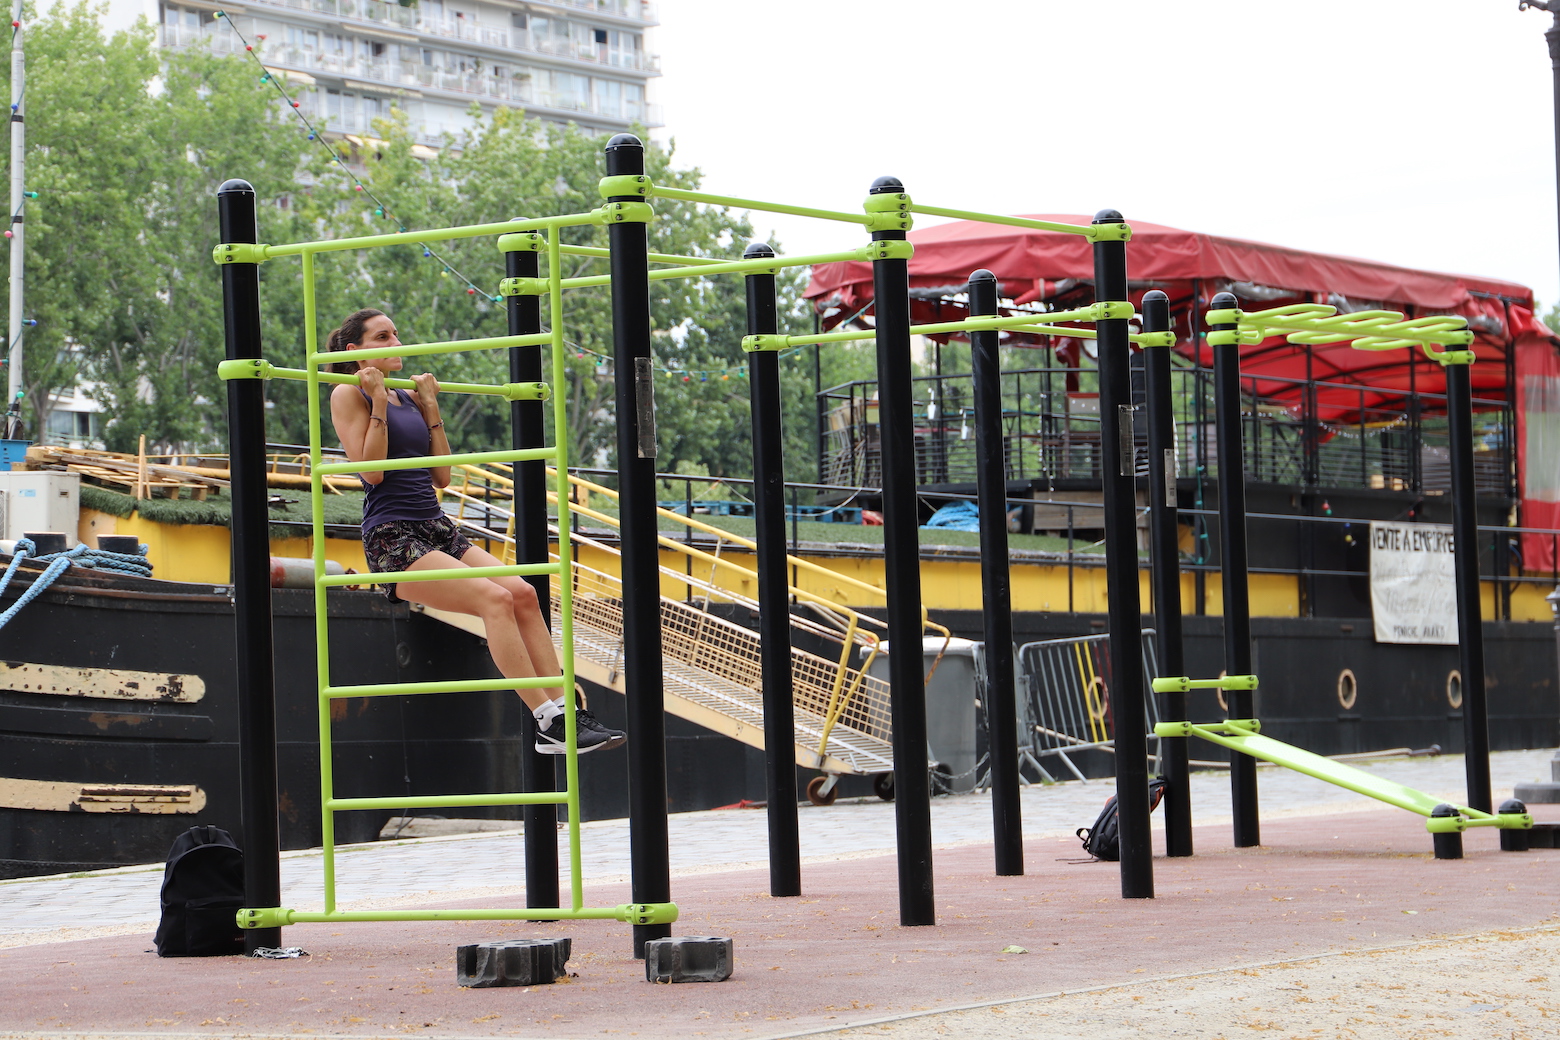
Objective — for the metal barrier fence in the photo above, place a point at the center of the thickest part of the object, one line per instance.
(1063, 698)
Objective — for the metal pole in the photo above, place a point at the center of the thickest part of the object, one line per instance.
(1123, 610)
(18, 200)
(774, 621)
(636, 451)
(1007, 826)
(527, 430)
(1164, 540)
(1470, 629)
(1233, 568)
(253, 663)
(902, 565)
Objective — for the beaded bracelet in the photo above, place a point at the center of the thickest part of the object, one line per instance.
(381, 420)
(436, 425)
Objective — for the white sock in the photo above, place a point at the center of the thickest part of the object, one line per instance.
(561, 703)
(546, 713)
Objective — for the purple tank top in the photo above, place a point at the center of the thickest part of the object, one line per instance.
(403, 494)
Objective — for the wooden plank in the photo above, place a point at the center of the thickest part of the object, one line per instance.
(54, 796)
(110, 683)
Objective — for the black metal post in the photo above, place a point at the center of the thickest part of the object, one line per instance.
(527, 430)
(1007, 825)
(902, 565)
(1233, 567)
(1165, 546)
(253, 660)
(1123, 607)
(636, 451)
(1470, 628)
(774, 621)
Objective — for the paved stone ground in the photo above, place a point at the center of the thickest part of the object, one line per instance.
(395, 873)
(1310, 935)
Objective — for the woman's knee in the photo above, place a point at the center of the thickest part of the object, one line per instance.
(492, 599)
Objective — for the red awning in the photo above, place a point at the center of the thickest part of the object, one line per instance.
(1042, 270)
(1047, 268)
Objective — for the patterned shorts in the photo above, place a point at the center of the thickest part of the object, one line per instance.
(397, 544)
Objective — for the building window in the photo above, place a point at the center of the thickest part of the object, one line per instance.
(517, 20)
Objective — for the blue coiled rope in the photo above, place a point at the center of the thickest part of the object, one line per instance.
(58, 563)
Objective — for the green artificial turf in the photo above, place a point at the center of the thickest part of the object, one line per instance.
(345, 508)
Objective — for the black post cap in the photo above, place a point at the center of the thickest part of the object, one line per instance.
(1155, 296)
(887, 186)
(757, 250)
(621, 141)
(1444, 810)
(982, 275)
(237, 184)
(1108, 216)
(1223, 301)
(1513, 805)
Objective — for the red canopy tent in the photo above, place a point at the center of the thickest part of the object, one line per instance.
(1041, 270)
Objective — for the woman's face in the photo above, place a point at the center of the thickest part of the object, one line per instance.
(378, 333)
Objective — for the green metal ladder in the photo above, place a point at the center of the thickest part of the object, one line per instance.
(541, 235)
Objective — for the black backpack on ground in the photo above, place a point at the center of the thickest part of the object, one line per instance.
(1103, 840)
(202, 891)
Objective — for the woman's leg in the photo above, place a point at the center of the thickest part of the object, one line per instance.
(527, 617)
(494, 603)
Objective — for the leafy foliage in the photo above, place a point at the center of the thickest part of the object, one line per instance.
(128, 145)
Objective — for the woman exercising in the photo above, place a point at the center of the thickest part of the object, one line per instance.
(405, 530)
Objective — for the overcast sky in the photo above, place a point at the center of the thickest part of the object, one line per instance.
(1418, 132)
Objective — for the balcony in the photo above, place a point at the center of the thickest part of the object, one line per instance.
(412, 19)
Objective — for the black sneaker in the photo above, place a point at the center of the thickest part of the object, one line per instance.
(589, 735)
(616, 738)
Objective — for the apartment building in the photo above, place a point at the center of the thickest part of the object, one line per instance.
(566, 61)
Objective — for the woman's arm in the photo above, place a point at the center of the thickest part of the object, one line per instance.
(362, 426)
(428, 404)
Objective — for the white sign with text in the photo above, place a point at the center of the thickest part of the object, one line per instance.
(1412, 592)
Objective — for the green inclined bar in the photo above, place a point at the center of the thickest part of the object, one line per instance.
(992, 218)
(498, 390)
(395, 577)
(1337, 773)
(537, 682)
(453, 800)
(470, 458)
(432, 235)
(661, 192)
(457, 346)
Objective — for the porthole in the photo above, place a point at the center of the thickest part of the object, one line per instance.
(1454, 689)
(1348, 689)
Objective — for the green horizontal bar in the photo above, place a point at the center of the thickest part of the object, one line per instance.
(658, 191)
(993, 218)
(433, 235)
(654, 258)
(412, 689)
(510, 391)
(463, 801)
(396, 577)
(628, 913)
(1011, 322)
(469, 458)
(457, 346)
(723, 267)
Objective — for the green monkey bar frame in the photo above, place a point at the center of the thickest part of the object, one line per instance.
(1444, 339)
(556, 455)
(887, 214)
